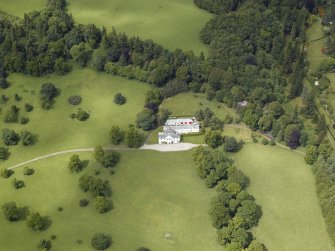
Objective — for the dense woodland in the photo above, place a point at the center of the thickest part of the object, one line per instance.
(256, 54)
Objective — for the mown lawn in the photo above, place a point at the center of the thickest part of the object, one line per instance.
(153, 194)
(55, 129)
(284, 186)
(174, 23)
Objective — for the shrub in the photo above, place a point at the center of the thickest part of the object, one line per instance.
(100, 241)
(11, 211)
(35, 222)
(115, 135)
(53, 237)
(82, 115)
(265, 141)
(4, 83)
(48, 91)
(272, 142)
(102, 204)
(44, 245)
(75, 164)
(213, 139)
(12, 115)
(60, 209)
(23, 120)
(74, 100)
(134, 138)
(17, 184)
(5, 173)
(4, 153)
(83, 203)
(110, 159)
(17, 97)
(28, 171)
(28, 107)
(27, 138)
(119, 99)
(230, 144)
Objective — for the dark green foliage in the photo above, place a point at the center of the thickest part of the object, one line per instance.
(230, 144)
(82, 115)
(292, 136)
(100, 241)
(233, 211)
(17, 184)
(81, 53)
(28, 171)
(23, 120)
(74, 100)
(174, 87)
(134, 138)
(312, 154)
(27, 138)
(36, 222)
(3, 83)
(142, 249)
(115, 135)
(153, 99)
(119, 99)
(265, 141)
(47, 94)
(83, 203)
(147, 120)
(61, 67)
(28, 107)
(4, 153)
(11, 211)
(209, 119)
(12, 115)
(6, 173)
(110, 159)
(102, 204)
(213, 139)
(44, 245)
(99, 153)
(94, 185)
(75, 164)
(10, 137)
(17, 97)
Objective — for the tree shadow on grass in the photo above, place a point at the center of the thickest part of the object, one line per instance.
(47, 222)
(85, 163)
(24, 213)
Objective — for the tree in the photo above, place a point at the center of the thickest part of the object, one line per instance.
(35, 222)
(292, 136)
(81, 53)
(28, 171)
(5, 173)
(17, 184)
(119, 99)
(11, 211)
(4, 153)
(102, 204)
(99, 153)
(82, 115)
(230, 144)
(256, 246)
(10, 137)
(100, 241)
(147, 120)
(12, 115)
(3, 83)
(110, 159)
(134, 138)
(213, 139)
(75, 164)
(44, 245)
(74, 100)
(115, 135)
(48, 91)
(27, 138)
(153, 99)
(312, 154)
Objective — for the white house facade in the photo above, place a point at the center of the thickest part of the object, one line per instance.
(168, 137)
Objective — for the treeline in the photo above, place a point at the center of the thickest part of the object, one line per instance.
(233, 210)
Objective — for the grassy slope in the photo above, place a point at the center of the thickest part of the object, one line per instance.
(284, 186)
(153, 193)
(56, 130)
(148, 19)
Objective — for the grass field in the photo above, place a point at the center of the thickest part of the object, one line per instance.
(153, 194)
(188, 103)
(55, 129)
(284, 186)
(148, 19)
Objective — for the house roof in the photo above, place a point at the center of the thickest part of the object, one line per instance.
(180, 127)
(164, 135)
(181, 121)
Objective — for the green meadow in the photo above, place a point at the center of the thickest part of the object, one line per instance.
(174, 23)
(159, 202)
(55, 129)
(284, 186)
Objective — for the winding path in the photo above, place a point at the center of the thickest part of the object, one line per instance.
(155, 147)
